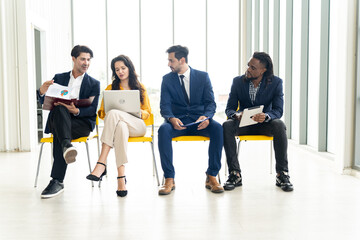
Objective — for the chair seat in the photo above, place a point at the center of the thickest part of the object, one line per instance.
(255, 137)
(191, 138)
(140, 139)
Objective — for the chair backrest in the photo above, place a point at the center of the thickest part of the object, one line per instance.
(150, 122)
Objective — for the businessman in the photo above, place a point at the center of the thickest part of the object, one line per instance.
(186, 97)
(257, 87)
(67, 122)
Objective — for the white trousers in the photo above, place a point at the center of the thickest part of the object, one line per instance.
(118, 127)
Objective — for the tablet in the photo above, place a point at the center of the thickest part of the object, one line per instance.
(246, 119)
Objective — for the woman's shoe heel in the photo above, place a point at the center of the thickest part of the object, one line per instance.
(122, 193)
(96, 178)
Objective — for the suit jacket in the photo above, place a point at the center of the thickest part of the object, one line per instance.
(172, 100)
(89, 87)
(270, 95)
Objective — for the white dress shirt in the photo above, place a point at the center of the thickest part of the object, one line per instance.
(75, 85)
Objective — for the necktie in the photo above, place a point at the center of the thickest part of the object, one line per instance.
(183, 89)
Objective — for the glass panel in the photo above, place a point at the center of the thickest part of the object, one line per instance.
(90, 31)
(223, 50)
(156, 37)
(191, 33)
(296, 71)
(314, 73)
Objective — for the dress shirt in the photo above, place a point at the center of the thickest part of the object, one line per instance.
(75, 85)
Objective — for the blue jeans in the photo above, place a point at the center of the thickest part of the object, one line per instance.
(166, 132)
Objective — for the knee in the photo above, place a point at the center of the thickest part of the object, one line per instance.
(228, 126)
(278, 125)
(164, 129)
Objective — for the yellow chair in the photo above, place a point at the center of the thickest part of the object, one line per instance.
(150, 139)
(79, 140)
(256, 138)
(188, 139)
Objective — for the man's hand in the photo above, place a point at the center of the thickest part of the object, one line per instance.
(204, 124)
(260, 117)
(72, 109)
(238, 115)
(43, 89)
(176, 123)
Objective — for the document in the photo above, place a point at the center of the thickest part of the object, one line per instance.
(193, 123)
(246, 119)
(58, 93)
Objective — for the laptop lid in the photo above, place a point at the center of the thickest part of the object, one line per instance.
(124, 100)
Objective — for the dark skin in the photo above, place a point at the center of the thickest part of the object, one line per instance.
(254, 73)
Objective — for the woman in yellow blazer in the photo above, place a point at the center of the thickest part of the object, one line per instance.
(119, 125)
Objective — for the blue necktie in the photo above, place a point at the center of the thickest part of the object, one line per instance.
(183, 89)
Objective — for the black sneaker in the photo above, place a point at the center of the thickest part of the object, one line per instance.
(283, 181)
(69, 153)
(233, 181)
(53, 189)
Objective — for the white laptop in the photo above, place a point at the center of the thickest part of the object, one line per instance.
(124, 100)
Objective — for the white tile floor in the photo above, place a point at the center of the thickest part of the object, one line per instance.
(324, 204)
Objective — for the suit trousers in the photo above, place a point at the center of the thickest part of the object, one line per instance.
(118, 127)
(275, 128)
(64, 126)
(167, 132)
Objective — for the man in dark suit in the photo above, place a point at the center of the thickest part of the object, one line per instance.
(257, 87)
(67, 122)
(186, 97)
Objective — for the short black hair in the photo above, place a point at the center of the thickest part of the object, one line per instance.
(75, 52)
(180, 52)
(265, 60)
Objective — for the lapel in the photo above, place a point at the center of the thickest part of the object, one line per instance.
(84, 83)
(192, 84)
(178, 89)
(247, 87)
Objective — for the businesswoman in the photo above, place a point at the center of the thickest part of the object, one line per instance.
(119, 125)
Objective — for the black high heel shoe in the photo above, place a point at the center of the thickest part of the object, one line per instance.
(122, 193)
(96, 178)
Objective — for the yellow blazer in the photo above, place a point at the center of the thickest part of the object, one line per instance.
(145, 107)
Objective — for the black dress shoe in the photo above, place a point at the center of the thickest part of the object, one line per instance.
(96, 178)
(233, 181)
(122, 193)
(283, 181)
(54, 188)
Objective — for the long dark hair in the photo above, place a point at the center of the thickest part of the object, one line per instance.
(265, 60)
(134, 83)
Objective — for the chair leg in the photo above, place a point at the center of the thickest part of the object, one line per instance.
(88, 155)
(271, 156)
(154, 163)
(38, 166)
(98, 146)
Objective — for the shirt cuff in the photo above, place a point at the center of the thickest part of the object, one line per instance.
(267, 118)
(77, 113)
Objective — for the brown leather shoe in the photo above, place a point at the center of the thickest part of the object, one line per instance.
(167, 187)
(212, 184)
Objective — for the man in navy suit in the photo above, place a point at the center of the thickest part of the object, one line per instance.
(67, 122)
(257, 87)
(187, 97)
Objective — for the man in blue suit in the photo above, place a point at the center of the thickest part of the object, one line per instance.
(187, 97)
(67, 122)
(257, 87)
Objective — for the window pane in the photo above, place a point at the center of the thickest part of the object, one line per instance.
(90, 31)
(190, 30)
(156, 37)
(223, 50)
